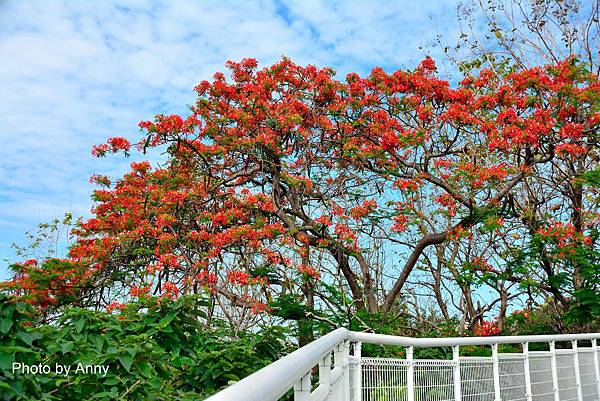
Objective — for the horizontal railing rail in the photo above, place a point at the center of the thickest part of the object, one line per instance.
(383, 339)
(343, 378)
(274, 380)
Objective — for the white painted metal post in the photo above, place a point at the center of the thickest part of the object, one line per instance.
(338, 385)
(346, 376)
(596, 367)
(357, 371)
(302, 388)
(456, 369)
(554, 368)
(410, 374)
(577, 373)
(496, 372)
(325, 371)
(528, 392)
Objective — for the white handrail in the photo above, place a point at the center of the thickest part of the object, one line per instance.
(273, 381)
(384, 339)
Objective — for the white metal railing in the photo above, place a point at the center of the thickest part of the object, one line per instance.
(342, 374)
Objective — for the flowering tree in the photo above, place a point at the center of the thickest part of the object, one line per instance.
(285, 176)
(458, 158)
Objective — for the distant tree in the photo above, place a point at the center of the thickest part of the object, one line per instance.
(517, 35)
(528, 33)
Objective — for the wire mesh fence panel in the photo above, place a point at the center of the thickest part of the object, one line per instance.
(477, 378)
(540, 372)
(434, 380)
(567, 381)
(588, 374)
(512, 377)
(384, 379)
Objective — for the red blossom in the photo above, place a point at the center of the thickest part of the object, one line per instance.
(238, 277)
(112, 145)
(486, 329)
(309, 271)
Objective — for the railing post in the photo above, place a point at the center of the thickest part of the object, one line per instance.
(596, 367)
(528, 392)
(554, 368)
(357, 371)
(346, 377)
(496, 372)
(410, 374)
(456, 371)
(302, 388)
(325, 371)
(577, 373)
(338, 360)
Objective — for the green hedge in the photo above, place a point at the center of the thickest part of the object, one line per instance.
(153, 351)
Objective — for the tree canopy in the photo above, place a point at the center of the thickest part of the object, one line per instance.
(285, 180)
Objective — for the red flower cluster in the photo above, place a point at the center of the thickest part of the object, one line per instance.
(139, 292)
(486, 329)
(113, 145)
(259, 307)
(115, 305)
(482, 265)
(363, 210)
(522, 313)
(238, 277)
(571, 149)
(309, 271)
(407, 185)
(52, 282)
(565, 235)
(207, 279)
(170, 290)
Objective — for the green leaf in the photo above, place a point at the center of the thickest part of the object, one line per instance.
(5, 325)
(66, 347)
(79, 323)
(145, 369)
(98, 341)
(6, 360)
(111, 381)
(155, 382)
(167, 319)
(9, 309)
(131, 351)
(126, 360)
(14, 349)
(232, 377)
(26, 337)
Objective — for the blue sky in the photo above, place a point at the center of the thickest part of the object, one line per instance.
(74, 73)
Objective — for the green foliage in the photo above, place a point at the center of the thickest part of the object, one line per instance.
(397, 392)
(288, 307)
(591, 178)
(153, 351)
(583, 306)
(48, 240)
(538, 321)
(16, 345)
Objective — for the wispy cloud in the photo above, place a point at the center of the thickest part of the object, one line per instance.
(74, 73)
